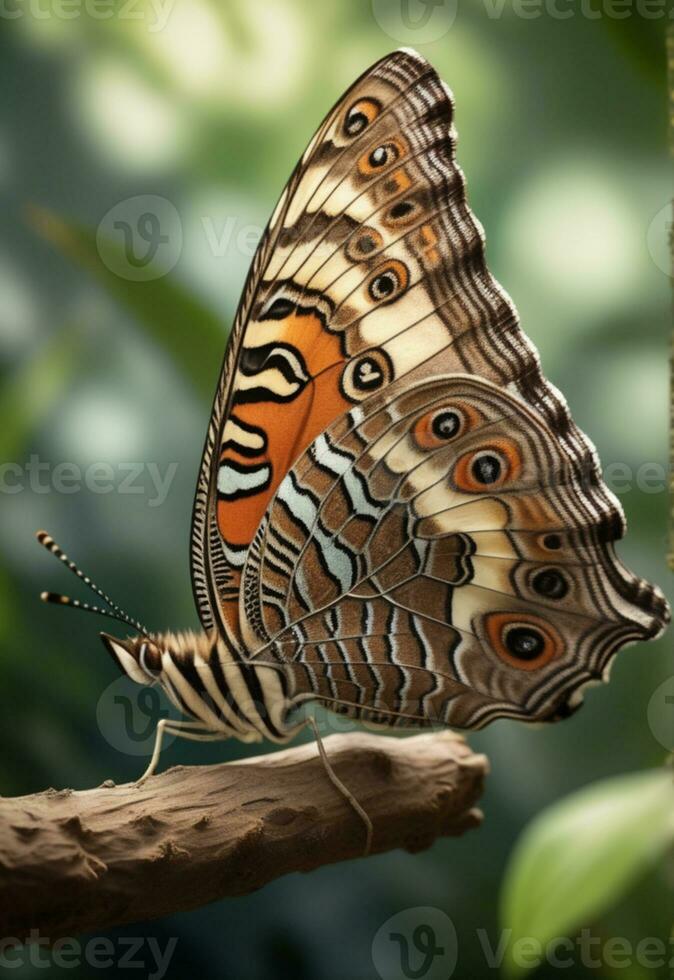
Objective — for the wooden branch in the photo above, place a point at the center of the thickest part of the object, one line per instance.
(73, 862)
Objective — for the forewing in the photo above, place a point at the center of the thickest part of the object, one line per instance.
(371, 274)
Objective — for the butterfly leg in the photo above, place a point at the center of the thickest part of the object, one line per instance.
(337, 782)
(181, 729)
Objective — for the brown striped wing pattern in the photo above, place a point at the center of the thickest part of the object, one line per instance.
(371, 273)
(435, 557)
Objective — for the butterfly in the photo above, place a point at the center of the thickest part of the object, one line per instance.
(395, 516)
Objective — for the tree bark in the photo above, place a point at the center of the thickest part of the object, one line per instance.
(73, 862)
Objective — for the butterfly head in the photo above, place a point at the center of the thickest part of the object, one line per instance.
(139, 657)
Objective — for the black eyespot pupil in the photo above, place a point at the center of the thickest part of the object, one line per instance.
(378, 157)
(446, 424)
(524, 643)
(355, 122)
(552, 541)
(383, 285)
(487, 468)
(401, 209)
(550, 583)
(279, 309)
(367, 244)
(368, 375)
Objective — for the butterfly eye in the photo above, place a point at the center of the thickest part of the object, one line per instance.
(550, 583)
(488, 468)
(388, 282)
(526, 642)
(360, 115)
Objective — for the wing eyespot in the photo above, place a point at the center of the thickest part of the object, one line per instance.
(525, 642)
(382, 155)
(402, 213)
(387, 282)
(364, 244)
(489, 467)
(549, 583)
(361, 114)
(436, 428)
(366, 374)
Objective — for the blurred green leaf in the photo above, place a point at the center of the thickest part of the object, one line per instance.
(190, 333)
(28, 394)
(642, 41)
(580, 856)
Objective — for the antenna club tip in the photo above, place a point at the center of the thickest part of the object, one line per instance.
(41, 536)
(62, 600)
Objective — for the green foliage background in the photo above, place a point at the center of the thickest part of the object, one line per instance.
(562, 127)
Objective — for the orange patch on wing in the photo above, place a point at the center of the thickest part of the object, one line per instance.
(289, 426)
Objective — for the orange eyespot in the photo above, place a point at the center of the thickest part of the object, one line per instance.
(523, 641)
(440, 426)
(489, 467)
(361, 114)
(378, 157)
(387, 282)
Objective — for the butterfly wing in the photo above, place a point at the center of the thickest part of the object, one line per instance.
(434, 556)
(371, 270)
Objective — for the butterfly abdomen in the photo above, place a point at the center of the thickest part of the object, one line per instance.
(206, 679)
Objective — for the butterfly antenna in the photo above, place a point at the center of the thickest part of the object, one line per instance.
(113, 612)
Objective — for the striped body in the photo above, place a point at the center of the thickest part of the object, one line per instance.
(205, 678)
